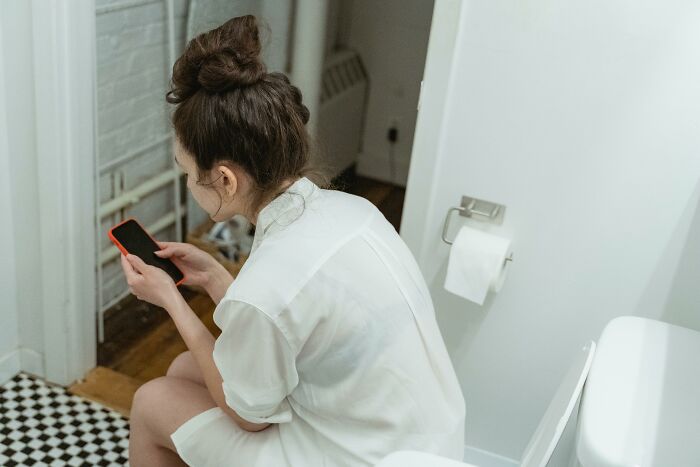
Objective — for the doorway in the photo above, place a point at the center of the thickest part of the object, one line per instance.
(369, 146)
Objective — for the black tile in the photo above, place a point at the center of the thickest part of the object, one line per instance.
(57, 412)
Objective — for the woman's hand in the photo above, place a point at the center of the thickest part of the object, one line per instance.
(199, 267)
(149, 283)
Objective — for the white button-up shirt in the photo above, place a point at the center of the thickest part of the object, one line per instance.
(329, 331)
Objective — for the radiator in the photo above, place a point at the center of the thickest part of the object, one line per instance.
(344, 91)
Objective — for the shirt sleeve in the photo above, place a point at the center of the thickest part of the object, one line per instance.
(256, 363)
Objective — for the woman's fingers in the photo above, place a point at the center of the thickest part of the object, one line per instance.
(129, 271)
(137, 263)
(172, 249)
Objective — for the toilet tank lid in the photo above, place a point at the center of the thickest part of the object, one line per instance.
(641, 404)
(418, 459)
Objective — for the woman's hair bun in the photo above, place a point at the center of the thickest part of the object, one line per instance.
(232, 57)
(219, 60)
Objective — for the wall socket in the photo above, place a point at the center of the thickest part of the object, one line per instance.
(393, 130)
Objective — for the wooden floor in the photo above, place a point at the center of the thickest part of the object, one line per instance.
(141, 341)
(146, 359)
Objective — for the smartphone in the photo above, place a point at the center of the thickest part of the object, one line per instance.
(131, 237)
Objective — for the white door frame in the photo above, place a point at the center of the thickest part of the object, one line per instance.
(432, 102)
(64, 70)
(64, 64)
(9, 353)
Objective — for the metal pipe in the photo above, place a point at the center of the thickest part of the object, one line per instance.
(122, 6)
(108, 254)
(171, 60)
(115, 300)
(98, 190)
(134, 196)
(109, 166)
(309, 54)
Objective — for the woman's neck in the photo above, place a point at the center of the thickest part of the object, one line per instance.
(283, 187)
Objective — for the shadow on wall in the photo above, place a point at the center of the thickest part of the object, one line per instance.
(458, 318)
(683, 302)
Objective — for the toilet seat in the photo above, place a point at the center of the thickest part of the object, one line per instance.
(641, 405)
(419, 459)
(541, 446)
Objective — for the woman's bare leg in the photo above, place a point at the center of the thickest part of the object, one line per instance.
(160, 406)
(145, 450)
(185, 366)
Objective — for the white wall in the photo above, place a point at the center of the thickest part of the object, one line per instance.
(21, 172)
(682, 305)
(392, 38)
(583, 118)
(9, 331)
(46, 286)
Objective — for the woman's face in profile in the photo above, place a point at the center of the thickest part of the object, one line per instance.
(211, 195)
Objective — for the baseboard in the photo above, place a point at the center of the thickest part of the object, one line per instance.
(483, 458)
(32, 362)
(9, 365)
(21, 359)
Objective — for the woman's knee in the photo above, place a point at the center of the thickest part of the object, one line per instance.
(179, 363)
(160, 395)
(162, 404)
(185, 366)
(151, 407)
(147, 396)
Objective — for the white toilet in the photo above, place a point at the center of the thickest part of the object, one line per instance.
(640, 407)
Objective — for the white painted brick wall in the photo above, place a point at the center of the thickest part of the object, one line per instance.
(132, 77)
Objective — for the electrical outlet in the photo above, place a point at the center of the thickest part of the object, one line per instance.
(393, 134)
(393, 130)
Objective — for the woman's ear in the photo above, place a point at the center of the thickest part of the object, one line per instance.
(229, 180)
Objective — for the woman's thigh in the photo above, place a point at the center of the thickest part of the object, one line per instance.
(165, 403)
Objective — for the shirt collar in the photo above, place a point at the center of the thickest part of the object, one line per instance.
(283, 209)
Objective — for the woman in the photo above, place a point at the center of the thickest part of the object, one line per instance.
(329, 352)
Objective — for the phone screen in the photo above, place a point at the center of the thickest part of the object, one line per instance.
(137, 242)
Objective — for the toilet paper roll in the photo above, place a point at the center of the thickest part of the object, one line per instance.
(476, 264)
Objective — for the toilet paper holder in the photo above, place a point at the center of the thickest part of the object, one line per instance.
(477, 209)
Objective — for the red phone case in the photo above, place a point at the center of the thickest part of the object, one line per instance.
(123, 250)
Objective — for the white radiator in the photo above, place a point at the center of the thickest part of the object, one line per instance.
(344, 90)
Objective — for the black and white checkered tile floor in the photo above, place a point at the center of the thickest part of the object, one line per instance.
(44, 425)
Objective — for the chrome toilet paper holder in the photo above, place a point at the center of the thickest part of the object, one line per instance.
(477, 209)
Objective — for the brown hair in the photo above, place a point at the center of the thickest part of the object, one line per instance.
(230, 109)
